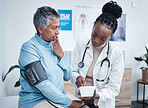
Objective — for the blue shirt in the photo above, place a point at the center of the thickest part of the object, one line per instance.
(57, 72)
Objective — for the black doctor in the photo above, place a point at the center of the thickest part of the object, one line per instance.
(99, 63)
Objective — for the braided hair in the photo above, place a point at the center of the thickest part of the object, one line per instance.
(110, 13)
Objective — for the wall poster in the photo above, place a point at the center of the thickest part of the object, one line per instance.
(84, 21)
(120, 34)
(85, 17)
(65, 20)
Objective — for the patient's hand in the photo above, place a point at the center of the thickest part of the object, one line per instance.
(80, 81)
(76, 104)
(57, 47)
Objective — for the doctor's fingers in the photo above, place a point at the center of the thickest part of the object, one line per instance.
(83, 82)
(77, 84)
(80, 82)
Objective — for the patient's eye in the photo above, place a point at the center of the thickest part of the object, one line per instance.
(54, 27)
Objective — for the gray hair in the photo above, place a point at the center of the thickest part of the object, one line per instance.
(43, 16)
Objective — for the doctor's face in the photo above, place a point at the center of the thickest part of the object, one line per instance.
(100, 34)
(50, 31)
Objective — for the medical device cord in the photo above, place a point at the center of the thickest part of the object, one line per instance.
(38, 90)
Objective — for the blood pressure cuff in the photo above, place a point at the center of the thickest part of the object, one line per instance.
(35, 73)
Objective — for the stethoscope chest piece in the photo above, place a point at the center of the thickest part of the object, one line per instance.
(81, 65)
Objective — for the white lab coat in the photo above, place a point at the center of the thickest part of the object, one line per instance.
(110, 87)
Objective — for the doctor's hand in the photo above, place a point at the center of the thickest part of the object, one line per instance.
(80, 81)
(87, 98)
(76, 104)
(57, 48)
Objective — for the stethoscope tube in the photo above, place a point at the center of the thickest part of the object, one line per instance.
(81, 64)
(106, 59)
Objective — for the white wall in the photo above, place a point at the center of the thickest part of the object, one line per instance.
(17, 27)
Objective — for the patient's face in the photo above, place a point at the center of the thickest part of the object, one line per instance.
(50, 31)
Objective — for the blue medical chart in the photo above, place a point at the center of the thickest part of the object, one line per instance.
(65, 20)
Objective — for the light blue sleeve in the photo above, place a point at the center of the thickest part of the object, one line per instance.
(52, 93)
(65, 66)
(28, 55)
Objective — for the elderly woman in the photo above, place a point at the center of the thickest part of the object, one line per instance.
(45, 48)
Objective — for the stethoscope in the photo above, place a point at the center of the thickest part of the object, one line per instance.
(81, 64)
